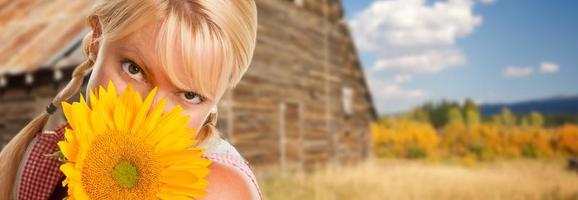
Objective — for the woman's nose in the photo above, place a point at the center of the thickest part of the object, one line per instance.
(160, 95)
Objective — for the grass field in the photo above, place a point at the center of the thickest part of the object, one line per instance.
(400, 179)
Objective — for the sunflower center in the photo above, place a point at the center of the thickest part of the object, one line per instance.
(125, 174)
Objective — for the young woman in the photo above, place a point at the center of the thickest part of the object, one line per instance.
(192, 50)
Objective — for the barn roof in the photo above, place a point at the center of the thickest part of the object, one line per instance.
(36, 34)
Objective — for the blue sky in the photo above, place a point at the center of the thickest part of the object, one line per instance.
(490, 51)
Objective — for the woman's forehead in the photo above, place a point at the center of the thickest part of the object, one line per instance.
(144, 42)
(165, 57)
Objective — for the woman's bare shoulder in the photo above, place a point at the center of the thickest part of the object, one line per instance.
(229, 183)
(231, 176)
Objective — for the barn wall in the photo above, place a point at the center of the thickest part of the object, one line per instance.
(19, 105)
(302, 63)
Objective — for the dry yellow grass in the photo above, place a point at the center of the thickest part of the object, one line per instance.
(397, 179)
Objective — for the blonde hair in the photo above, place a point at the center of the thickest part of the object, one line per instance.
(216, 39)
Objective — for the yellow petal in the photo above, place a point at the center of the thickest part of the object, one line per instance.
(67, 150)
(153, 117)
(145, 108)
(179, 177)
(119, 117)
(67, 110)
(93, 99)
(191, 156)
(69, 170)
(183, 190)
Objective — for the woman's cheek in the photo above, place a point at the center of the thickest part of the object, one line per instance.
(196, 120)
(101, 76)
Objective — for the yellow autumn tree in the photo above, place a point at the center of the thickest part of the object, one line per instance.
(568, 139)
(404, 138)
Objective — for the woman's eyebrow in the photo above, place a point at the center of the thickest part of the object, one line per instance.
(131, 48)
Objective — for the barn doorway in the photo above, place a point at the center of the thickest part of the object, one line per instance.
(290, 136)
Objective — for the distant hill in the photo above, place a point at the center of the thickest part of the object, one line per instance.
(554, 105)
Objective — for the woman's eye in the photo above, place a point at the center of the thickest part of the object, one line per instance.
(192, 97)
(133, 70)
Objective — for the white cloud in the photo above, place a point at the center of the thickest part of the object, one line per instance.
(408, 37)
(488, 2)
(431, 61)
(517, 72)
(413, 23)
(393, 91)
(392, 97)
(402, 78)
(549, 67)
(415, 36)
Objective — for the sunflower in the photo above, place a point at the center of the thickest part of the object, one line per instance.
(122, 147)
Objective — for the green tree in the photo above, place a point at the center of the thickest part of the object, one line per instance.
(524, 121)
(507, 117)
(536, 119)
(455, 116)
(420, 114)
(472, 113)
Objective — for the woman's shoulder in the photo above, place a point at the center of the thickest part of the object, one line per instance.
(38, 173)
(228, 163)
(223, 150)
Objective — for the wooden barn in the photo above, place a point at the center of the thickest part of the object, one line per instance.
(303, 103)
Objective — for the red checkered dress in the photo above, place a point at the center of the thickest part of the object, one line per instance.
(39, 176)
